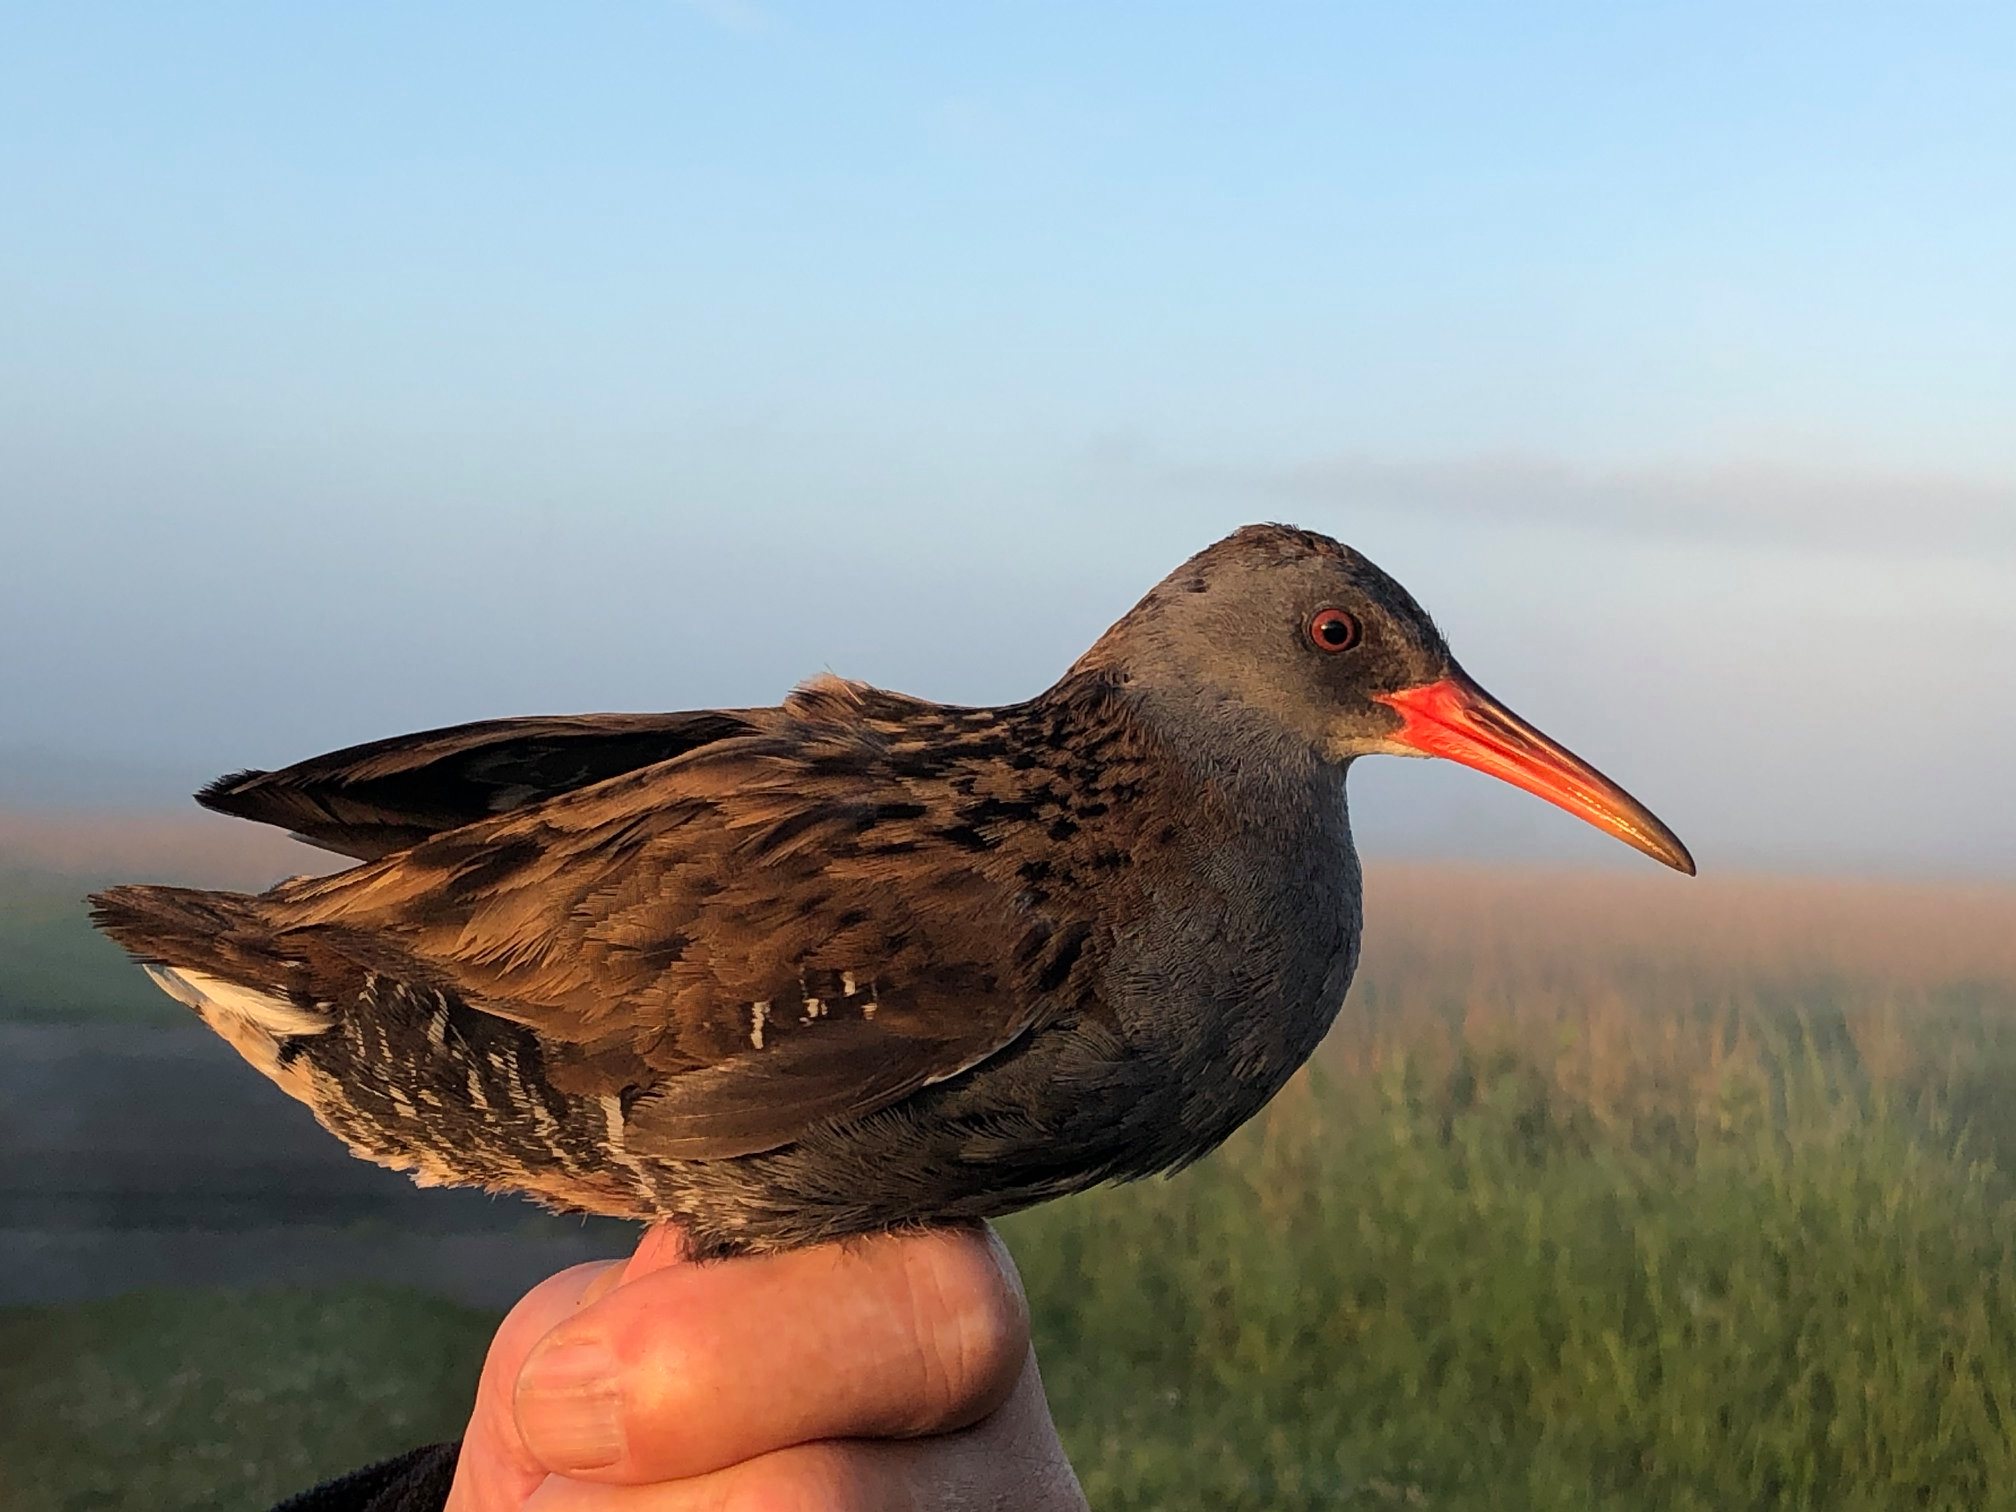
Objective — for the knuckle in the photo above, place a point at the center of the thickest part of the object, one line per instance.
(969, 1327)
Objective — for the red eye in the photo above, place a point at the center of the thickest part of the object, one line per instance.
(1333, 630)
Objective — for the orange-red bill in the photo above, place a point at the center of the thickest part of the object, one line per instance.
(1457, 719)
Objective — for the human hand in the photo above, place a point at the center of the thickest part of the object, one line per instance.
(890, 1374)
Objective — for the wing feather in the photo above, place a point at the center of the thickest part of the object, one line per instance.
(372, 800)
(714, 938)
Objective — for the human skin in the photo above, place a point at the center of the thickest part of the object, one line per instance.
(888, 1374)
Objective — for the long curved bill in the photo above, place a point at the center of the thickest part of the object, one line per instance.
(1455, 718)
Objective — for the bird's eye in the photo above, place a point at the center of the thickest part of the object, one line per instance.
(1333, 630)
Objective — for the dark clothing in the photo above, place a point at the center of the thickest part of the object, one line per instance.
(416, 1481)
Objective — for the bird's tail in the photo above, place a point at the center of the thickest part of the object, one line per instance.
(213, 952)
(409, 1077)
(178, 926)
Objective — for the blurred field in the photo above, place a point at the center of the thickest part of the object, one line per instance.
(1609, 1192)
(164, 1400)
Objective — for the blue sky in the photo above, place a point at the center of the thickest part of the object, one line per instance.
(365, 367)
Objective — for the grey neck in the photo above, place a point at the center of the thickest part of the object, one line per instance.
(1240, 755)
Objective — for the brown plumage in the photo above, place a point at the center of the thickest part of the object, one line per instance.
(848, 963)
(371, 800)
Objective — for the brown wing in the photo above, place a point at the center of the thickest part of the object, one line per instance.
(770, 932)
(371, 800)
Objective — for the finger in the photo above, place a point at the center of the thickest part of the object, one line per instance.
(661, 1245)
(689, 1369)
(807, 1478)
(1012, 1459)
(494, 1468)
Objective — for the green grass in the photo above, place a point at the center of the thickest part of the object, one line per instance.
(174, 1402)
(1382, 1300)
(1571, 1214)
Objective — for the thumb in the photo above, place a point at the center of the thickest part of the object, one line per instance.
(495, 1470)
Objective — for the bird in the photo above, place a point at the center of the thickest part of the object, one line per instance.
(858, 961)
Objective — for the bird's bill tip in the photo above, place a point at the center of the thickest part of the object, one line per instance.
(1456, 719)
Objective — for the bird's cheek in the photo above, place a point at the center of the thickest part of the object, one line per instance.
(1371, 730)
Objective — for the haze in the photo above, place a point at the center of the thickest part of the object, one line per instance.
(369, 368)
